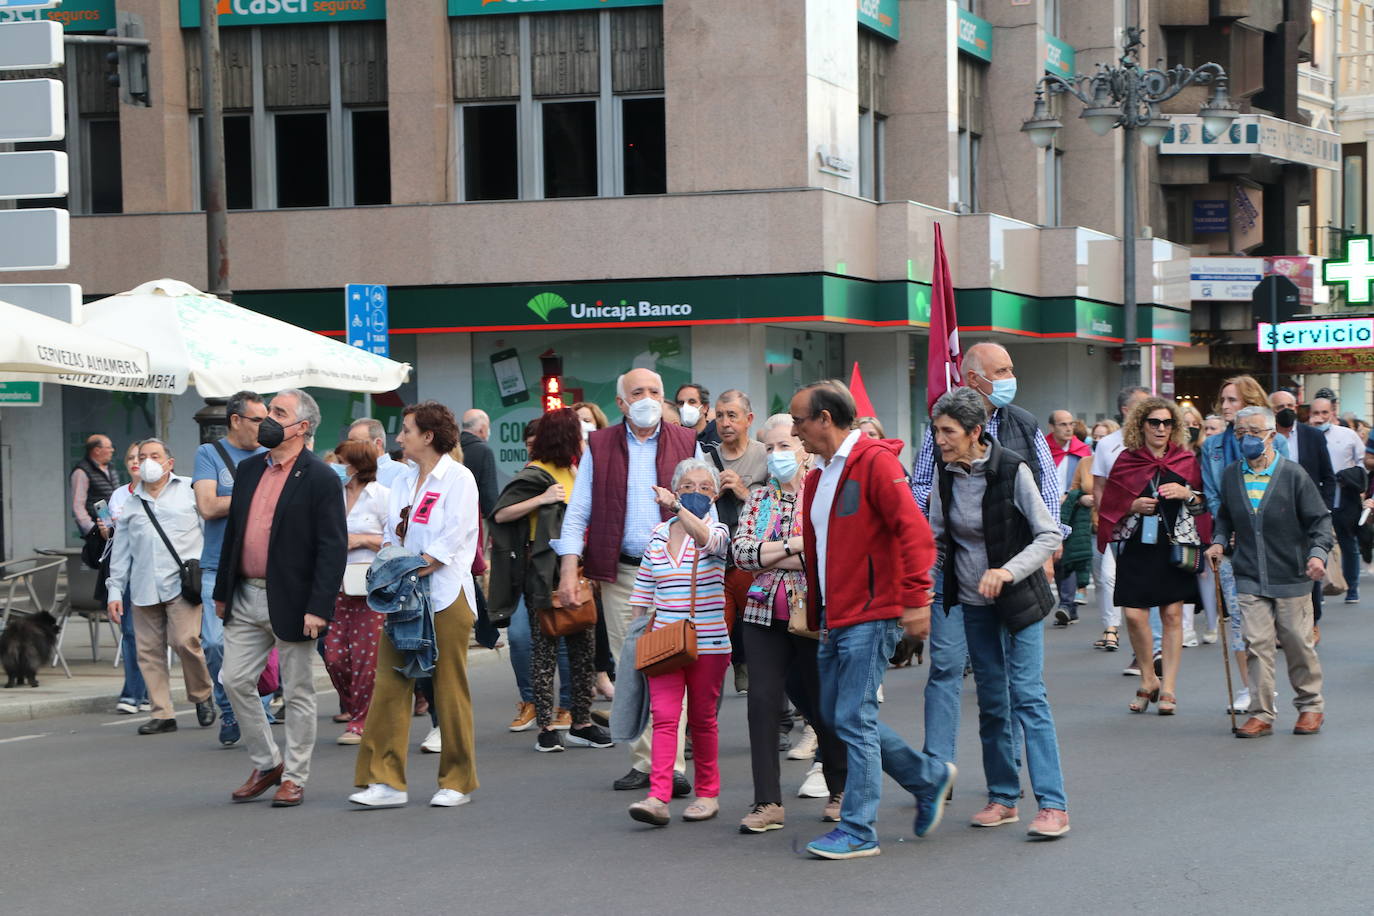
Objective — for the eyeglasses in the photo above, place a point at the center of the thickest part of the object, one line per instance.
(404, 524)
(250, 419)
(1156, 423)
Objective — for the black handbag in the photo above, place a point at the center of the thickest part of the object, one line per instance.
(189, 569)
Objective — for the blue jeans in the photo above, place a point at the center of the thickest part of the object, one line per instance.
(1010, 673)
(518, 636)
(947, 649)
(134, 690)
(851, 661)
(212, 641)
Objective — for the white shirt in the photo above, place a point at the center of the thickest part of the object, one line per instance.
(139, 556)
(825, 497)
(1109, 448)
(1291, 437)
(389, 470)
(119, 502)
(1347, 451)
(442, 524)
(368, 516)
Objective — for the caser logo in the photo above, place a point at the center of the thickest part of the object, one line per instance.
(545, 303)
(272, 7)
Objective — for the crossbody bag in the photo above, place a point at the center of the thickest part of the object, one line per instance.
(189, 570)
(674, 646)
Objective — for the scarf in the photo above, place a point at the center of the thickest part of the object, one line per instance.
(1132, 471)
(1076, 447)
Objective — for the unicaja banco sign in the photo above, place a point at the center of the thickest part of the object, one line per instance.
(545, 304)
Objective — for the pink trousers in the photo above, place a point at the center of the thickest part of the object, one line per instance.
(701, 682)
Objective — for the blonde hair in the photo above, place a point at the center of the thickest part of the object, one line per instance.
(1133, 433)
(1251, 392)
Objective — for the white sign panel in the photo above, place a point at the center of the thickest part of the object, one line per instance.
(31, 45)
(41, 173)
(28, 4)
(34, 239)
(1327, 334)
(31, 110)
(1225, 279)
(56, 300)
(1253, 134)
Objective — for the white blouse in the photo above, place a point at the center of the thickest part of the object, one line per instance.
(368, 516)
(442, 523)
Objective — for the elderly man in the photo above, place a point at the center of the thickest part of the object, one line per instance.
(988, 369)
(285, 547)
(151, 545)
(1282, 534)
(373, 433)
(213, 481)
(94, 478)
(1347, 451)
(1067, 450)
(610, 518)
(478, 458)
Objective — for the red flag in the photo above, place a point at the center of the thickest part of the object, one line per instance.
(856, 388)
(944, 362)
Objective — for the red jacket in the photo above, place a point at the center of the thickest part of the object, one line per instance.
(879, 547)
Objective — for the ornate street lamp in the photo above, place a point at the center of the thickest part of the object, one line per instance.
(1128, 96)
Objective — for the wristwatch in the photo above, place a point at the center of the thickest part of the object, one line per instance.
(787, 547)
(677, 505)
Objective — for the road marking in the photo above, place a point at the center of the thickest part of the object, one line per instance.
(139, 720)
(22, 738)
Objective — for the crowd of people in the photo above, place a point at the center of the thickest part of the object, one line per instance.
(642, 561)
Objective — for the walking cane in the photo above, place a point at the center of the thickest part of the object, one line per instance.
(1224, 637)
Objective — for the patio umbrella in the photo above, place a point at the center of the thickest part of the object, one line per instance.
(36, 347)
(195, 339)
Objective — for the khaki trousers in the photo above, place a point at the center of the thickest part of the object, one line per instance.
(615, 602)
(1290, 621)
(248, 641)
(176, 625)
(386, 740)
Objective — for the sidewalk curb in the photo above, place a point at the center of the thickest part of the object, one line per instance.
(48, 707)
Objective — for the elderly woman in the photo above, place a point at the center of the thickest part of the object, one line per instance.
(1152, 504)
(350, 643)
(433, 515)
(996, 573)
(780, 648)
(686, 544)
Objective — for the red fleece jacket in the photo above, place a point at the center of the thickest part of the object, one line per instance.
(879, 547)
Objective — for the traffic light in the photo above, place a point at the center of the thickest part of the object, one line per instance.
(128, 65)
(551, 388)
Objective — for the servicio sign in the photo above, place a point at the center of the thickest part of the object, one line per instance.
(1327, 334)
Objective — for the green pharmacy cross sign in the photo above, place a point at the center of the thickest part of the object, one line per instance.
(1355, 270)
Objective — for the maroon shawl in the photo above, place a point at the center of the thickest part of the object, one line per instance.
(1131, 472)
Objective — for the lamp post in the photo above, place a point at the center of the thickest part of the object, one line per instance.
(1128, 96)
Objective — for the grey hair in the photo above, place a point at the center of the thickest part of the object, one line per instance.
(238, 401)
(153, 440)
(474, 418)
(620, 385)
(962, 405)
(687, 465)
(375, 429)
(1214, 416)
(734, 395)
(306, 408)
(1123, 397)
(773, 422)
(1264, 413)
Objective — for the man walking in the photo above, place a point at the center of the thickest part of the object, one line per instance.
(213, 482)
(160, 530)
(1347, 451)
(610, 518)
(478, 458)
(372, 432)
(285, 548)
(1067, 450)
(94, 478)
(868, 553)
(1282, 535)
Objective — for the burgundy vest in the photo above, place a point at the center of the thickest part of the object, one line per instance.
(610, 470)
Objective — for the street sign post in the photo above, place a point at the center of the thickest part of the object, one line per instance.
(1277, 299)
(21, 394)
(367, 325)
(31, 45)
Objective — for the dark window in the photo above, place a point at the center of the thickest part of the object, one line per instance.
(302, 159)
(238, 161)
(371, 158)
(570, 168)
(491, 160)
(645, 147)
(107, 186)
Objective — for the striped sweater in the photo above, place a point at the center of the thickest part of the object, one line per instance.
(663, 585)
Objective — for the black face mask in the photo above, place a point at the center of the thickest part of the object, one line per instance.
(1286, 417)
(1193, 433)
(271, 433)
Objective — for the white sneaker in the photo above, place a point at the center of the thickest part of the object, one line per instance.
(805, 748)
(814, 784)
(145, 707)
(379, 795)
(432, 744)
(449, 798)
(1190, 641)
(881, 698)
(1242, 701)
(128, 709)
(1209, 637)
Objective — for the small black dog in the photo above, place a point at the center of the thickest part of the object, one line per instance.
(26, 645)
(908, 647)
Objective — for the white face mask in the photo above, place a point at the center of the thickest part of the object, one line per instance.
(150, 471)
(691, 413)
(587, 429)
(646, 412)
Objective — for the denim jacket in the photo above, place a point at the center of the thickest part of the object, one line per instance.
(1217, 454)
(394, 589)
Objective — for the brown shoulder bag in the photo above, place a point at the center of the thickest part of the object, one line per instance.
(559, 621)
(674, 646)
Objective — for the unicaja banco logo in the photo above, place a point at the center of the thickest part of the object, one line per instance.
(544, 303)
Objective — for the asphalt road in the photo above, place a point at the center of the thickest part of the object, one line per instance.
(1169, 815)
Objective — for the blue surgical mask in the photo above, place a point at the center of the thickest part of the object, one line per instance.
(1251, 447)
(1003, 391)
(699, 504)
(1323, 426)
(342, 471)
(782, 465)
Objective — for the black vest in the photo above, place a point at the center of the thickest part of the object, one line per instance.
(1017, 431)
(101, 484)
(1005, 534)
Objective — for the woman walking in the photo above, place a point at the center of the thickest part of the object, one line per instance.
(996, 571)
(779, 646)
(432, 518)
(687, 544)
(133, 697)
(1150, 513)
(350, 643)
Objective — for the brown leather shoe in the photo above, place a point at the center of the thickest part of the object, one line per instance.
(1255, 727)
(1316, 635)
(1309, 723)
(288, 796)
(259, 781)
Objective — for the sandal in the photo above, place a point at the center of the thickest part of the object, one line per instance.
(1143, 699)
(1168, 704)
(1108, 642)
(701, 809)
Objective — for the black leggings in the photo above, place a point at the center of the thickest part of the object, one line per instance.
(775, 658)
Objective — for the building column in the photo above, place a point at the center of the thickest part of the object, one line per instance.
(884, 360)
(155, 143)
(37, 505)
(1092, 181)
(443, 367)
(923, 98)
(419, 72)
(726, 356)
(1011, 173)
